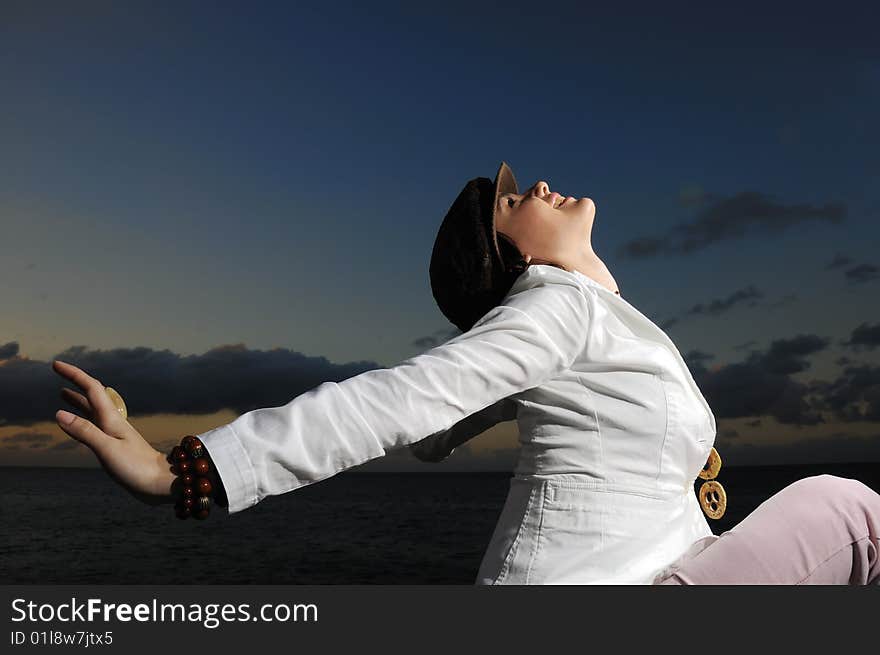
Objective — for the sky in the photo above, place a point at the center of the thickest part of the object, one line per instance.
(215, 207)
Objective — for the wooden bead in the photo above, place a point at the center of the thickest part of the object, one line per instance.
(194, 447)
(188, 492)
(203, 486)
(186, 440)
(179, 454)
(189, 503)
(201, 514)
(181, 512)
(713, 499)
(712, 466)
(184, 466)
(201, 466)
(188, 479)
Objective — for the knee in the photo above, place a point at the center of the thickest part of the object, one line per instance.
(832, 491)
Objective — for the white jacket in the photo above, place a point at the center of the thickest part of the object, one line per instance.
(613, 432)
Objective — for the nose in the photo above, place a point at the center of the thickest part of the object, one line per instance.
(540, 188)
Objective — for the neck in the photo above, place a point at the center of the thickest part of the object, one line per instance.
(588, 263)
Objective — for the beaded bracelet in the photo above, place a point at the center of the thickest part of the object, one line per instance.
(196, 481)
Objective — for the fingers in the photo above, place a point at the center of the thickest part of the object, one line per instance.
(83, 431)
(77, 400)
(102, 406)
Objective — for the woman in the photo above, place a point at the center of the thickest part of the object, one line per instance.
(613, 428)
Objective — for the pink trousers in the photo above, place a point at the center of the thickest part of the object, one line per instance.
(822, 529)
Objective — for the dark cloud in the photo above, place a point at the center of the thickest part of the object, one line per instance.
(159, 381)
(744, 345)
(438, 337)
(787, 299)
(72, 444)
(787, 356)
(865, 336)
(28, 439)
(837, 448)
(727, 218)
(748, 296)
(854, 395)
(838, 261)
(861, 273)
(717, 307)
(696, 357)
(9, 350)
(761, 384)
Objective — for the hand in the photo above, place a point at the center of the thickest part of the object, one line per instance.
(126, 456)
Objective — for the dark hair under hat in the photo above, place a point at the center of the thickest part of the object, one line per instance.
(471, 270)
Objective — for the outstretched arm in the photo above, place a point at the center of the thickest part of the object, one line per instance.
(537, 331)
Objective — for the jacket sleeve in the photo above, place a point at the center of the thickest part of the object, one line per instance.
(441, 445)
(538, 330)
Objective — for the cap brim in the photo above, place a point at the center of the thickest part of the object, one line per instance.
(505, 182)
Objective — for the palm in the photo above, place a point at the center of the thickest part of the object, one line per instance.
(126, 456)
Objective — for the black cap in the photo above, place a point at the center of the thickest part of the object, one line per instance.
(470, 274)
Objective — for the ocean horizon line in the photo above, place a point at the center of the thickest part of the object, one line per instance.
(487, 472)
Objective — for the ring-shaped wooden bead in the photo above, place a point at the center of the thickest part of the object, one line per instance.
(712, 465)
(713, 499)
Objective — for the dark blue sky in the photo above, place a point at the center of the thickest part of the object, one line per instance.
(176, 179)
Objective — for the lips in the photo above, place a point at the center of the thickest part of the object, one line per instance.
(555, 197)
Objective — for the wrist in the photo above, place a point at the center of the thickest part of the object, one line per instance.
(165, 480)
(194, 480)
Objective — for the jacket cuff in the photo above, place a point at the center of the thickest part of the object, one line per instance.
(233, 466)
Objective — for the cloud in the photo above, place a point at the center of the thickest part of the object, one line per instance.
(229, 377)
(9, 350)
(838, 261)
(748, 296)
(26, 439)
(854, 395)
(745, 344)
(70, 444)
(438, 337)
(760, 385)
(861, 273)
(837, 448)
(863, 337)
(718, 307)
(728, 218)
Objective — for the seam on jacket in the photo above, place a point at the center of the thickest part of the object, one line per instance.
(665, 427)
(537, 542)
(602, 465)
(511, 553)
(253, 472)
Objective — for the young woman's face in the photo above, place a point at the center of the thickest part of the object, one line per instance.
(546, 225)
